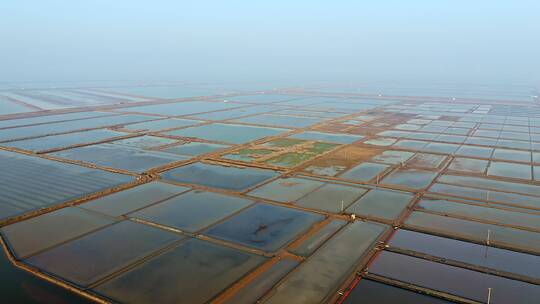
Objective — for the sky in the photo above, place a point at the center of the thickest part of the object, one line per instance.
(452, 41)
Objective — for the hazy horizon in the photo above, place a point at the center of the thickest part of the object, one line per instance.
(483, 42)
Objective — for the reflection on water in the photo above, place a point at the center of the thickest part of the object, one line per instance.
(22, 287)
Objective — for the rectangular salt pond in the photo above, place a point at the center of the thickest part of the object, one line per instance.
(512, 155)
(511, 199)
(368, 291)
(536, 156)
(165, 91)
(470, 253)
(107, 97)
(380, 141)
(307, 193)
(505, 237)
(157, 125)
(331, 197)
(441, 148)
(314, 241)
(263, 98)
(192, 211)
(265, 227)
(22, 286)
(68, 98)
(481, 213)
(144, 142)
(514, 144)
(451, 138)
(423, 136)
(481, 141)
(306, 101)
(7, 107)
(311, 113)
(392, 157)
(194, 148)
(68, 126)
(38, 233)
(461, 282)
(414, 145)
(410, 178)
(469, 165)
(234, 134)
(286, 189)
(474, 151)
(315, 280)
(42, 100)
(381, 204)
(181, 108)
(364, 172)
(94, 256)
(280, 120)
(64, 140)
(327, 137)
(255, 289)
(126, 201)
(510, 170)
(49, 118)
(491, 184)
(177, 275)
(120, 157)
(234, 113)
(216, 176)
(28, 183)
(427, 161)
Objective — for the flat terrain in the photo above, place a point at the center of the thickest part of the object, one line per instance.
(166, 194)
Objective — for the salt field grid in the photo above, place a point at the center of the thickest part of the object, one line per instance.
(198, 194)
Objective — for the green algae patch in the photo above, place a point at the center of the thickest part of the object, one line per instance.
(291, 159)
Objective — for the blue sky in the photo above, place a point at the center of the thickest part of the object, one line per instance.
(444, 40)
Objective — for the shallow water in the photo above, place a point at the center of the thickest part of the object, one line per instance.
(265, 227)
(28, 183)
(177, 275)
(505, 237)
(64, 140)
(23, 287)
(410, 178)
(216, 176)
(314, 241)
(234, 134)
(510, 170)
(328, 137)
(280, 120)
(457, 281)
(192, 211)
(259, 286)
(474, 254)
(69, 126)
(94, 256)
(144, 142)
(129, 200)
(368, 291)
(331, 197)
(157, 125)
(364, 172)
(319, 275)
(286, 189)
(120, 157)
(381, 204)
(194, 148)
